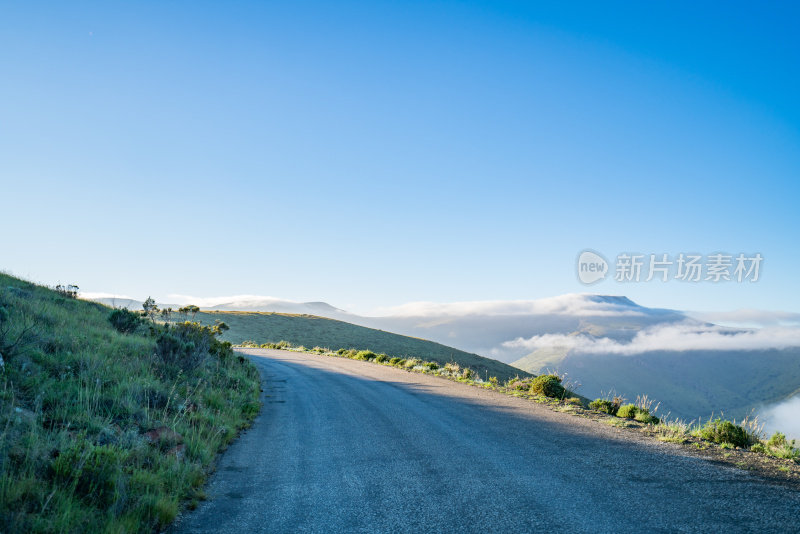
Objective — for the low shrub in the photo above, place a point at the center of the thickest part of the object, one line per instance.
(780, 447)
(365, 355)
(519, 384)
(548, 386)
(643, 416)
(125, 321)
(395, 361)
(380, 358)
(604, 406)
(721, 431)
(431, 366)
(628, 411)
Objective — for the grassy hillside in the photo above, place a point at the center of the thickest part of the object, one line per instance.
(102, 431)
(311, 331)
(691, 384)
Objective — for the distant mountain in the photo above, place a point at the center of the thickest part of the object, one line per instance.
(488, 327)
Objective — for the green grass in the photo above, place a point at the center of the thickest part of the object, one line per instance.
(312, 331)
(76, 401)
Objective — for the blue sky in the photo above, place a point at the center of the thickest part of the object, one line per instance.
(370, 154)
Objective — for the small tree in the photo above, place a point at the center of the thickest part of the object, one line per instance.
(189, 309)
(166, 314)
(69, 290)
(150, 309)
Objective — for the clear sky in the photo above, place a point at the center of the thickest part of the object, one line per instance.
(374, 153)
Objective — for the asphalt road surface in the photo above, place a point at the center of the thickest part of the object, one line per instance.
(349, 446)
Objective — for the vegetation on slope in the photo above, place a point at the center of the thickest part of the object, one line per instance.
(108, 428)
(310, 331)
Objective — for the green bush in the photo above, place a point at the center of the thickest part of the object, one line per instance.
(720, 431)
(124, 320)
(604, 406)
(380, 358)
(365, 355)
(548, 385)
(432, 366)
(643, 416)
(395, 361)
(780, 447)
(628, 411)
(777, 440)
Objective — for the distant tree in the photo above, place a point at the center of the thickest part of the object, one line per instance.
(166, 314)
(150, 309)
(69, 290)
(189, 309)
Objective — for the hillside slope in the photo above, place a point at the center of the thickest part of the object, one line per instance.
(691, 384)
(310, 331)
(102, 431)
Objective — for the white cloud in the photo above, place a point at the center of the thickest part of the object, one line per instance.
(749, 317)
(670, 337)
(574, 304)
(783, 417)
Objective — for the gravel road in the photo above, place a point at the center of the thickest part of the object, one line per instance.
(349, 446)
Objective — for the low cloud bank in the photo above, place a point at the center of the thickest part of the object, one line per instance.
(783, 417)
(668, 337)
(573, 304)
(749, 317)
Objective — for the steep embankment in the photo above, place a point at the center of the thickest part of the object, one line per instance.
(310, 331)
(103, 431)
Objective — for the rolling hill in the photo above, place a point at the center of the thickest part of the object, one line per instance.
(311, 331)
(97, 434)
